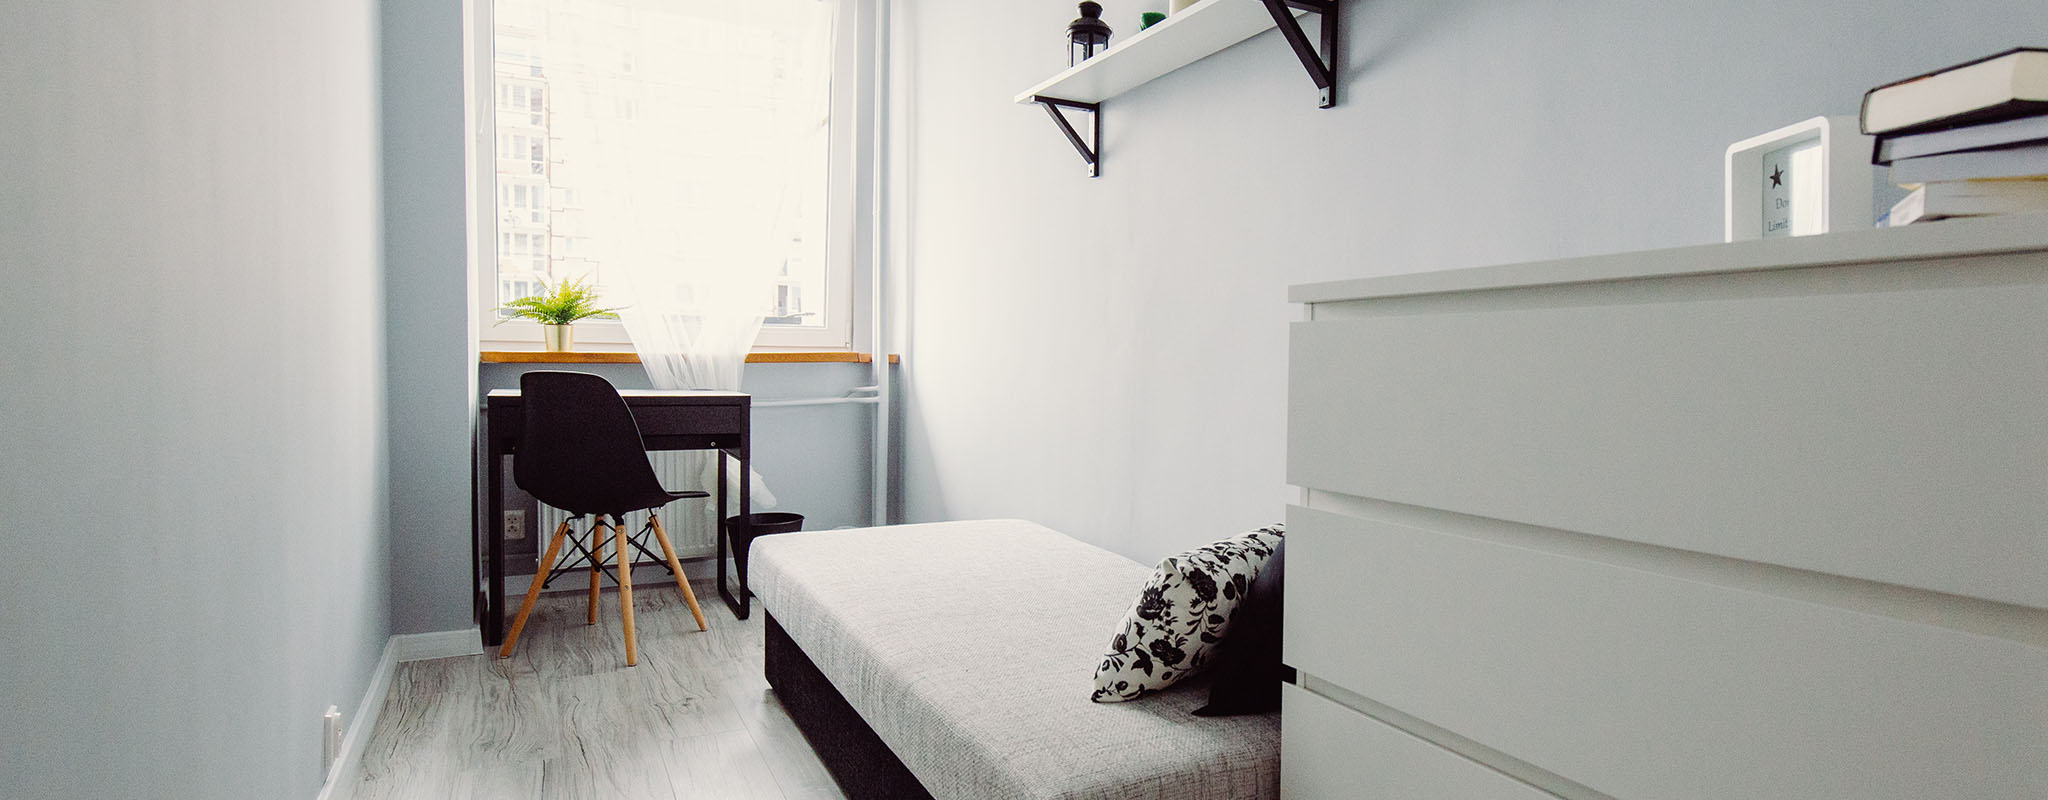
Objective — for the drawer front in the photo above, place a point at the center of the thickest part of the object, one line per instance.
(1638, 684)
(1329, 751)
(1887, 423)
(724, 420)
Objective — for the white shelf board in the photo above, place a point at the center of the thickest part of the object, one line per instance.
(1182, 39)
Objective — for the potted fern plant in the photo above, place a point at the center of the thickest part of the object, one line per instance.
(556, 308)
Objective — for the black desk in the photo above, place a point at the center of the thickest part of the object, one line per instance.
(669, 420)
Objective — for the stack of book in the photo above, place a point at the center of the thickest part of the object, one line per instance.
(1970, 140)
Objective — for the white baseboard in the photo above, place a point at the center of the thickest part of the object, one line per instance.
(439, 644)
(341, 778)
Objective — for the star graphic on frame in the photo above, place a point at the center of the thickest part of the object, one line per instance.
(1777, 176)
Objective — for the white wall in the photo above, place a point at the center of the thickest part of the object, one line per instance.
(191, 396)
(1108, 356)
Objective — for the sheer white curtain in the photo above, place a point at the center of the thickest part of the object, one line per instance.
(703, 173)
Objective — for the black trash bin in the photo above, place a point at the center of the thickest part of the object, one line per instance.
(743, 530)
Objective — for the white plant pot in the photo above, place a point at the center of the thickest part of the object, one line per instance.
(558, 338)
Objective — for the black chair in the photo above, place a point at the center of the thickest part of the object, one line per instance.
(581, 452)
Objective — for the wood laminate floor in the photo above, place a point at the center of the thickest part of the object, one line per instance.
(566, 718)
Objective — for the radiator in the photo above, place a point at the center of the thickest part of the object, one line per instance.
(689, 522)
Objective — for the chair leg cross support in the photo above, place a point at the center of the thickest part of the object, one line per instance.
(1322, 68)
(1091, 150)
(578, 557)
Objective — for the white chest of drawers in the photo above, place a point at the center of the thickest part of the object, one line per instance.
(1764, 519)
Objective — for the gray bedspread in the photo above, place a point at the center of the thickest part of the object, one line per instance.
(970, 646)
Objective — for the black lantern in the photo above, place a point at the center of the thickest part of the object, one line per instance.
(1087, 35)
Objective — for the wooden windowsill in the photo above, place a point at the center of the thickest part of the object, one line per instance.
(537, 357)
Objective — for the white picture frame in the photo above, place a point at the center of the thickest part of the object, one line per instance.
(1805, 178)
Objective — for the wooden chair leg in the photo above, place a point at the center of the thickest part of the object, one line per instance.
(547, 563)
(669, 552)
(626, 591)
(597, 537)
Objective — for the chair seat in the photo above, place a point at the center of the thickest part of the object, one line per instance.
(638, 502)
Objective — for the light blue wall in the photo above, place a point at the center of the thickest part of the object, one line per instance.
(1108, 356)
(427, 301)
(192, 511)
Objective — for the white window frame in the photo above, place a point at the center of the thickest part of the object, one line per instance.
(849, 117)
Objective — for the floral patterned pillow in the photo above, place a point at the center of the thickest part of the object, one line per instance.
(1171, 630)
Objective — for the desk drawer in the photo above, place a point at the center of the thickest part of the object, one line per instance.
(1639, 684)
(719, 421)
(1885, 422)
(1329, 751)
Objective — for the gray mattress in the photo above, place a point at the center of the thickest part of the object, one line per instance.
(970, 648)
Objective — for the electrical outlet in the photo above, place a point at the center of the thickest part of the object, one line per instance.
(515, 525)
(330, 738)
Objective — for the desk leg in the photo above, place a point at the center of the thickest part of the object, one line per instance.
(723, 537)
(740, 603)
(494, 550)
(746, 508)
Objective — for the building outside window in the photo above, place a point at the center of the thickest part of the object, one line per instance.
(568, 73)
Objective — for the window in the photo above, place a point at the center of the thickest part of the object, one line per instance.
(570, 79)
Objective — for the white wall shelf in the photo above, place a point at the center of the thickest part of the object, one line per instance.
(1182, 39)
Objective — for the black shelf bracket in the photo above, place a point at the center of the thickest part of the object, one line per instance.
(1091, 150)
(1322, 68)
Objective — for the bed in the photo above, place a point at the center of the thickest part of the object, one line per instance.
(954, 660)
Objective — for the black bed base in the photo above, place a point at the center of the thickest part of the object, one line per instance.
(864, 767)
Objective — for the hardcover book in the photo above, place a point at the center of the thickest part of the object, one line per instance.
(1969, 199)
(2004, 162)
(2024, 130)
(2002, 86)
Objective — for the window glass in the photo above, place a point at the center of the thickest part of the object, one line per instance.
(575, 75)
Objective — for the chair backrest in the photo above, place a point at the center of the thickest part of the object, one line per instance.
(581, 450)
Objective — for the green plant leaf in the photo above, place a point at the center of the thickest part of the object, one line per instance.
(560, 304)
